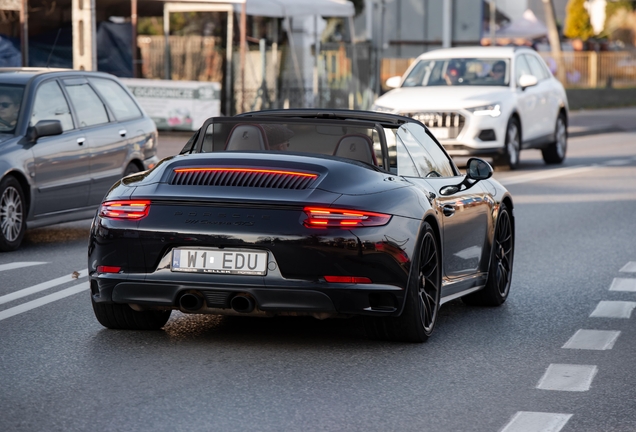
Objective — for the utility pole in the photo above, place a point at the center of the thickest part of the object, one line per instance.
(553, 36)
(24, 31)
(447, 24)
(493, 22)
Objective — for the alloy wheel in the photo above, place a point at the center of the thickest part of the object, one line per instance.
(429, 282)
(503, 254)
(513, 144)
(561, 138)
(11, 214)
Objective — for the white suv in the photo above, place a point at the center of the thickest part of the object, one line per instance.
(484, 101)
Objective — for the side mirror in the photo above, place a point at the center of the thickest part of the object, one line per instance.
(477, 170)
(526, 81)
(45, 128)
(393, 82)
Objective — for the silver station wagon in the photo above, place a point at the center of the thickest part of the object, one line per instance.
(65, 138)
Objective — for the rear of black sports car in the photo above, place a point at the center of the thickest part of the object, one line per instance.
(251, 233)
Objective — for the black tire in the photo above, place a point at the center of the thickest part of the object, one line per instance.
(512, 147)
(418, 319)
(122, 317)
(12, 214)
(555, 152)
(500, 270)
(131, 169)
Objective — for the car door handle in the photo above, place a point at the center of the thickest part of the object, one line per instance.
(80, 141)
(122, 133)
(448, 210)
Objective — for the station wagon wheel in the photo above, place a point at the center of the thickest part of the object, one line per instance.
(500, 271)
(419, 316)
(555, 152)
(12, 214)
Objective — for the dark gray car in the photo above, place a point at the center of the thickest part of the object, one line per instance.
(65, 138)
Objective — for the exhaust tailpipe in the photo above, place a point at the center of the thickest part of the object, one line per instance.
(242, 303)
(191, 302)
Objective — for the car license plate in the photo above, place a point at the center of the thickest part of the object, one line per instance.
(440, 133)
(220, 261)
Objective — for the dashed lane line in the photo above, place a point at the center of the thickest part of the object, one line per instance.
(630, 267)
(42, 286)
(526, 421)
(24, 307)
(17, 265)
(592, 340)
(613, 309)
(622, 284)
(568, 377)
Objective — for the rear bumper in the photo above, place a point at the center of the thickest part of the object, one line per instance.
(296, 296)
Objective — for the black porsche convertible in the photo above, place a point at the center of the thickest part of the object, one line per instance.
(303, 212)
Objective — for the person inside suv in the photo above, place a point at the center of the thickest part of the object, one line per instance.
(454, 74)
(498, 72)
(9, 108)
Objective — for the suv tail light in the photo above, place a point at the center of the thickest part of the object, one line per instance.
(125, 209)
(318, 217)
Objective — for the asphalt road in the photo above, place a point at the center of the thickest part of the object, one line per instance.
(484, 369)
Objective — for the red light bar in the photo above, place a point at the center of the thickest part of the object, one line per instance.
(348, 279)
(108, 269)
(246, 170)
(318, 217)
(125, 209)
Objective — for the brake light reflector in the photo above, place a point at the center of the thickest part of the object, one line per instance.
(108, 269)
(318, 217)
(125, 209)
(348, 279)
(246, 170)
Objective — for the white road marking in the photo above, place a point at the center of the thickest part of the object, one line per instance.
(547, 174)
(630, 267)
(613, 309)
(592, 340)
(17, 265)
(41, 287)
(620, 284)
(24, 307)
(568, 377)
(618, 162)
(525, 421)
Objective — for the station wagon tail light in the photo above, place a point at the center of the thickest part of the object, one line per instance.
(348, 279)
(318, 217)
(125, 209)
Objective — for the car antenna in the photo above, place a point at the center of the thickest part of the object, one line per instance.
(52, 49)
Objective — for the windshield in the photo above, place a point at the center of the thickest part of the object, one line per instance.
(459, 72)
(10, 100)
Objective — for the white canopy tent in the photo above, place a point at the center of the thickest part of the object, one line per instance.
(527, 26)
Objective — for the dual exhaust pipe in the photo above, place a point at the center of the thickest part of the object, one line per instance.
(193, 302)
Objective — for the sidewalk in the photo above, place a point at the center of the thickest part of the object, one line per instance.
(590, 122)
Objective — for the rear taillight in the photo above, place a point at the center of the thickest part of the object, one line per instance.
(125, 209)
(348, 279)
(318, 217)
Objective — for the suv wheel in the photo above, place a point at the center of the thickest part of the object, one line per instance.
(510, 158)
(555, 152)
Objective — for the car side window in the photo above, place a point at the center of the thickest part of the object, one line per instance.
(522, 67)
(50, 104)
(400, 162)
(123, 106)
(430, 159)
(88, 106)
(535, 67)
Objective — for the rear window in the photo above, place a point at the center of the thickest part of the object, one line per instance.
(10, 103)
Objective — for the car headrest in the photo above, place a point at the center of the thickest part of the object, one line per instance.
(357, 147)
(247, 137)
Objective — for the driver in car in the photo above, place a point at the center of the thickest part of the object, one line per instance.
(9, 109)
(498, 72)
(454, 74)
